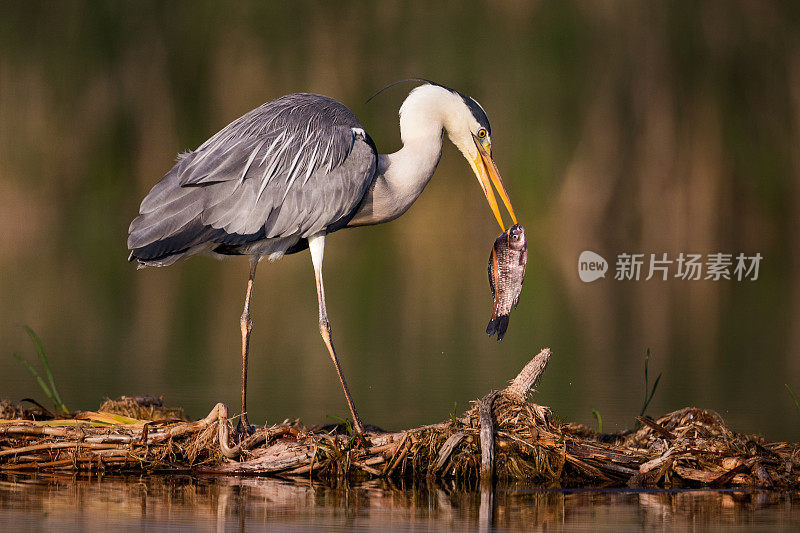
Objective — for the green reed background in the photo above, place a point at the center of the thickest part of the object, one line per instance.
(618, 127)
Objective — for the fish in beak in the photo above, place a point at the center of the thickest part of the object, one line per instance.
(487, 173)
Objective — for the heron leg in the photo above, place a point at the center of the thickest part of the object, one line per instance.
(247, 326)
(316, 245)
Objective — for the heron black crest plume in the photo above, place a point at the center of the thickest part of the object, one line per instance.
(398, 82)
(474, 107)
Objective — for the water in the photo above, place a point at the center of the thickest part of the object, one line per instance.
(174, 503)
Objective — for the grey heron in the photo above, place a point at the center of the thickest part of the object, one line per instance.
(283, 176)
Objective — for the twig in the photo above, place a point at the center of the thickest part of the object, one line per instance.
(30, 429)
(400, 458)
(761, 473)
(658, 461)
(655, 426)
(382, 448)
(447, 449)
(726, 477)
(589, 469)
(397, 448)
(367, 465)
(59, 446)
(487, 437)
(521, 385)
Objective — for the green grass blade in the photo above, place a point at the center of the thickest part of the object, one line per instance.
(791, 393)
(599, 419)
(648, 399)
(46, 365)
(652, 393)
(655, 386)
(453, 415)
(36, 375)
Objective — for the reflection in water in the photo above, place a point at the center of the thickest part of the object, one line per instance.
(224, 504)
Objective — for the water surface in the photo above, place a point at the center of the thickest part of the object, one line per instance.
(91, 503)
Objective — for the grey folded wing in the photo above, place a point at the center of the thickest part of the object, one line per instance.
(290, 168)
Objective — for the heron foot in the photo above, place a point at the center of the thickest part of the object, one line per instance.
(243, 428)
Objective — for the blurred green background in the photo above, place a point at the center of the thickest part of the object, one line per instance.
(644, 127)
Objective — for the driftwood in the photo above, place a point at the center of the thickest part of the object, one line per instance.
(501, 436)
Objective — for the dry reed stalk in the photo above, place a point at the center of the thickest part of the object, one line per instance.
(501, 436)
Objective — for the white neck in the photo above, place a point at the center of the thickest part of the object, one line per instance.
(425, 115)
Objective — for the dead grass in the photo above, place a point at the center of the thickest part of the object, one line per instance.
(687, 448)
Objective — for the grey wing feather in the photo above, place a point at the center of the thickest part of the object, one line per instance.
(292, 167)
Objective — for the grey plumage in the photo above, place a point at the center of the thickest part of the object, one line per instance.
(291, 168)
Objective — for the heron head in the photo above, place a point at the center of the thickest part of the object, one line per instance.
(466, 125)
(468, 128)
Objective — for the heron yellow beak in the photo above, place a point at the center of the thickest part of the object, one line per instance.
(487, 172)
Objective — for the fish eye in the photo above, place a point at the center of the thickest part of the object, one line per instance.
(481, 133)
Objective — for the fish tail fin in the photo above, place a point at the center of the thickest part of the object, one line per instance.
(498, 325)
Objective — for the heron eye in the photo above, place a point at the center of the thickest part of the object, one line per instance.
(481, 133)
